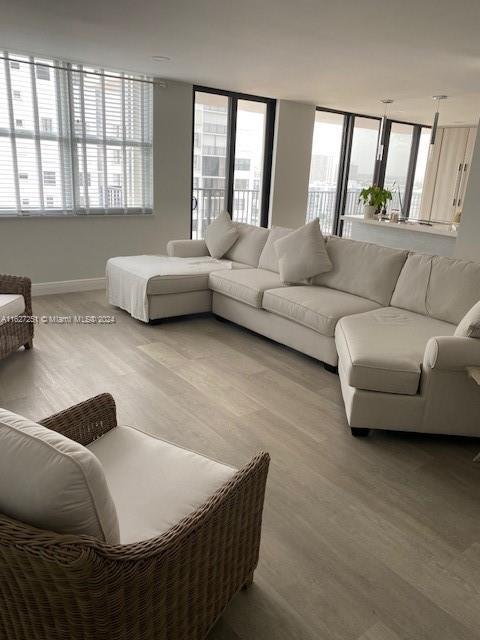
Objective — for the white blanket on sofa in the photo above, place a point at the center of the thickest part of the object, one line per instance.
(127, 277)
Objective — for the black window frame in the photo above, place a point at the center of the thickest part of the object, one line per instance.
(380, 165)
(233, 98)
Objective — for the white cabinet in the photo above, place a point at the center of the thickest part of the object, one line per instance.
(447, 173)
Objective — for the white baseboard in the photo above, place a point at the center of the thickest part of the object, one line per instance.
(67, 286)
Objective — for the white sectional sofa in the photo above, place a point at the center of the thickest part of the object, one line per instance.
(385, 317)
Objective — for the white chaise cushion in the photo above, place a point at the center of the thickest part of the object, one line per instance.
(469, 325)
(249, 246)
(51, 482)
(220, 235)
(245, 285)
(302, 254)
(318, 308)
(363, 269)
(436, 286)
(154, 483)
(11, 305)
(268, 258)
(383, 350)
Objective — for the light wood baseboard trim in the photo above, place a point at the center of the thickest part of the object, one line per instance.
(67, 286)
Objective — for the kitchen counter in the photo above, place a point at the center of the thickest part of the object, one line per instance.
(437, 239)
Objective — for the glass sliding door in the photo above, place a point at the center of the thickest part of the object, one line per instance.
(361, 170)
(325, 168)
(420, 170)
(398, 164)
(232, 146)
(251, 119)
(209, 160)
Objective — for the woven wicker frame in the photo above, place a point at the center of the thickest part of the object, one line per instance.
(16, 333)
(174, 587)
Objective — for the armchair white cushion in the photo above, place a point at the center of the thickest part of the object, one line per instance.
(154, 483)
(302, 254)
(11, 305)
(52, 482)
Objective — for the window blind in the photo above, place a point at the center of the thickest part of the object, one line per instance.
(74, 139)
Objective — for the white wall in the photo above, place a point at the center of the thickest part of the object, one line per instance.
(291, 163)
(57, 249)
(468, 241)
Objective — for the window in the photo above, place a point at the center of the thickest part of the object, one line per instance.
(420, 170)
(49, 178)
(74, 120)
(46, 125)
(324, 169)
(242, 164)
(232, 134)
(398, 162)
(42, 73)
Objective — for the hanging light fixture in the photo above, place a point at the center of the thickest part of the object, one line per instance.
(383, 126)
(437, 100)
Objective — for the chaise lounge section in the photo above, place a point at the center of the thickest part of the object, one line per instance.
(387, 318)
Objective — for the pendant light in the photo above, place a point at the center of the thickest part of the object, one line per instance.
(437, 100)
(383, 126)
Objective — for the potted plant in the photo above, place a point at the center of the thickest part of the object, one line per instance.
(374, 200)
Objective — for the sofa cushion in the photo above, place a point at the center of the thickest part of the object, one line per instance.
(51, 482)
(220, 235)
(268, 257)
(383, 350)
(245, 285)
(154, 483)
(318, 308)
(440, 287)
(302, 253)
(11, 305)
(249, 246)
(469, 325)
(181, 283)
(363, 269)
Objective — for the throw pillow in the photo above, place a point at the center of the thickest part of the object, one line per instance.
(469, 325)
(302, 254)
(268, 257)
(220, 235)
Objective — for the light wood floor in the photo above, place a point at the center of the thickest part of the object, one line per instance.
(372, 539)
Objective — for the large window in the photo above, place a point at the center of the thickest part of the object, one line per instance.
(60, 122)
(232, 147)
(343, 162)
(397, 167)
(324, 168)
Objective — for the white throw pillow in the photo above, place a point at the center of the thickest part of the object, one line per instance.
(54, 483)
(220, 235)
(268, 257)
(302, 254)
(469, 325)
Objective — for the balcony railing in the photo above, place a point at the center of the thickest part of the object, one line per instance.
(208, 203)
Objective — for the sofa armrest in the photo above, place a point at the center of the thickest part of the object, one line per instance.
(86, 421)
(187, 248)
(19, 285)
(452, 353)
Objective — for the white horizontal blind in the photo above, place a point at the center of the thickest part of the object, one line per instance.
(73, 139)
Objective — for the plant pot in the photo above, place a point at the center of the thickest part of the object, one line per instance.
(369, 212)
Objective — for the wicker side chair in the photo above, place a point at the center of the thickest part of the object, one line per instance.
(17, 332)
(172, 587)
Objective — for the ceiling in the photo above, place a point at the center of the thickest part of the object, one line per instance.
(345, 54)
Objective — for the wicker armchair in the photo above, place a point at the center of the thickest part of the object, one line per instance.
(18, 332)
(173, 587)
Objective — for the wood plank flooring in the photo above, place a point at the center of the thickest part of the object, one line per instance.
(369, 539)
